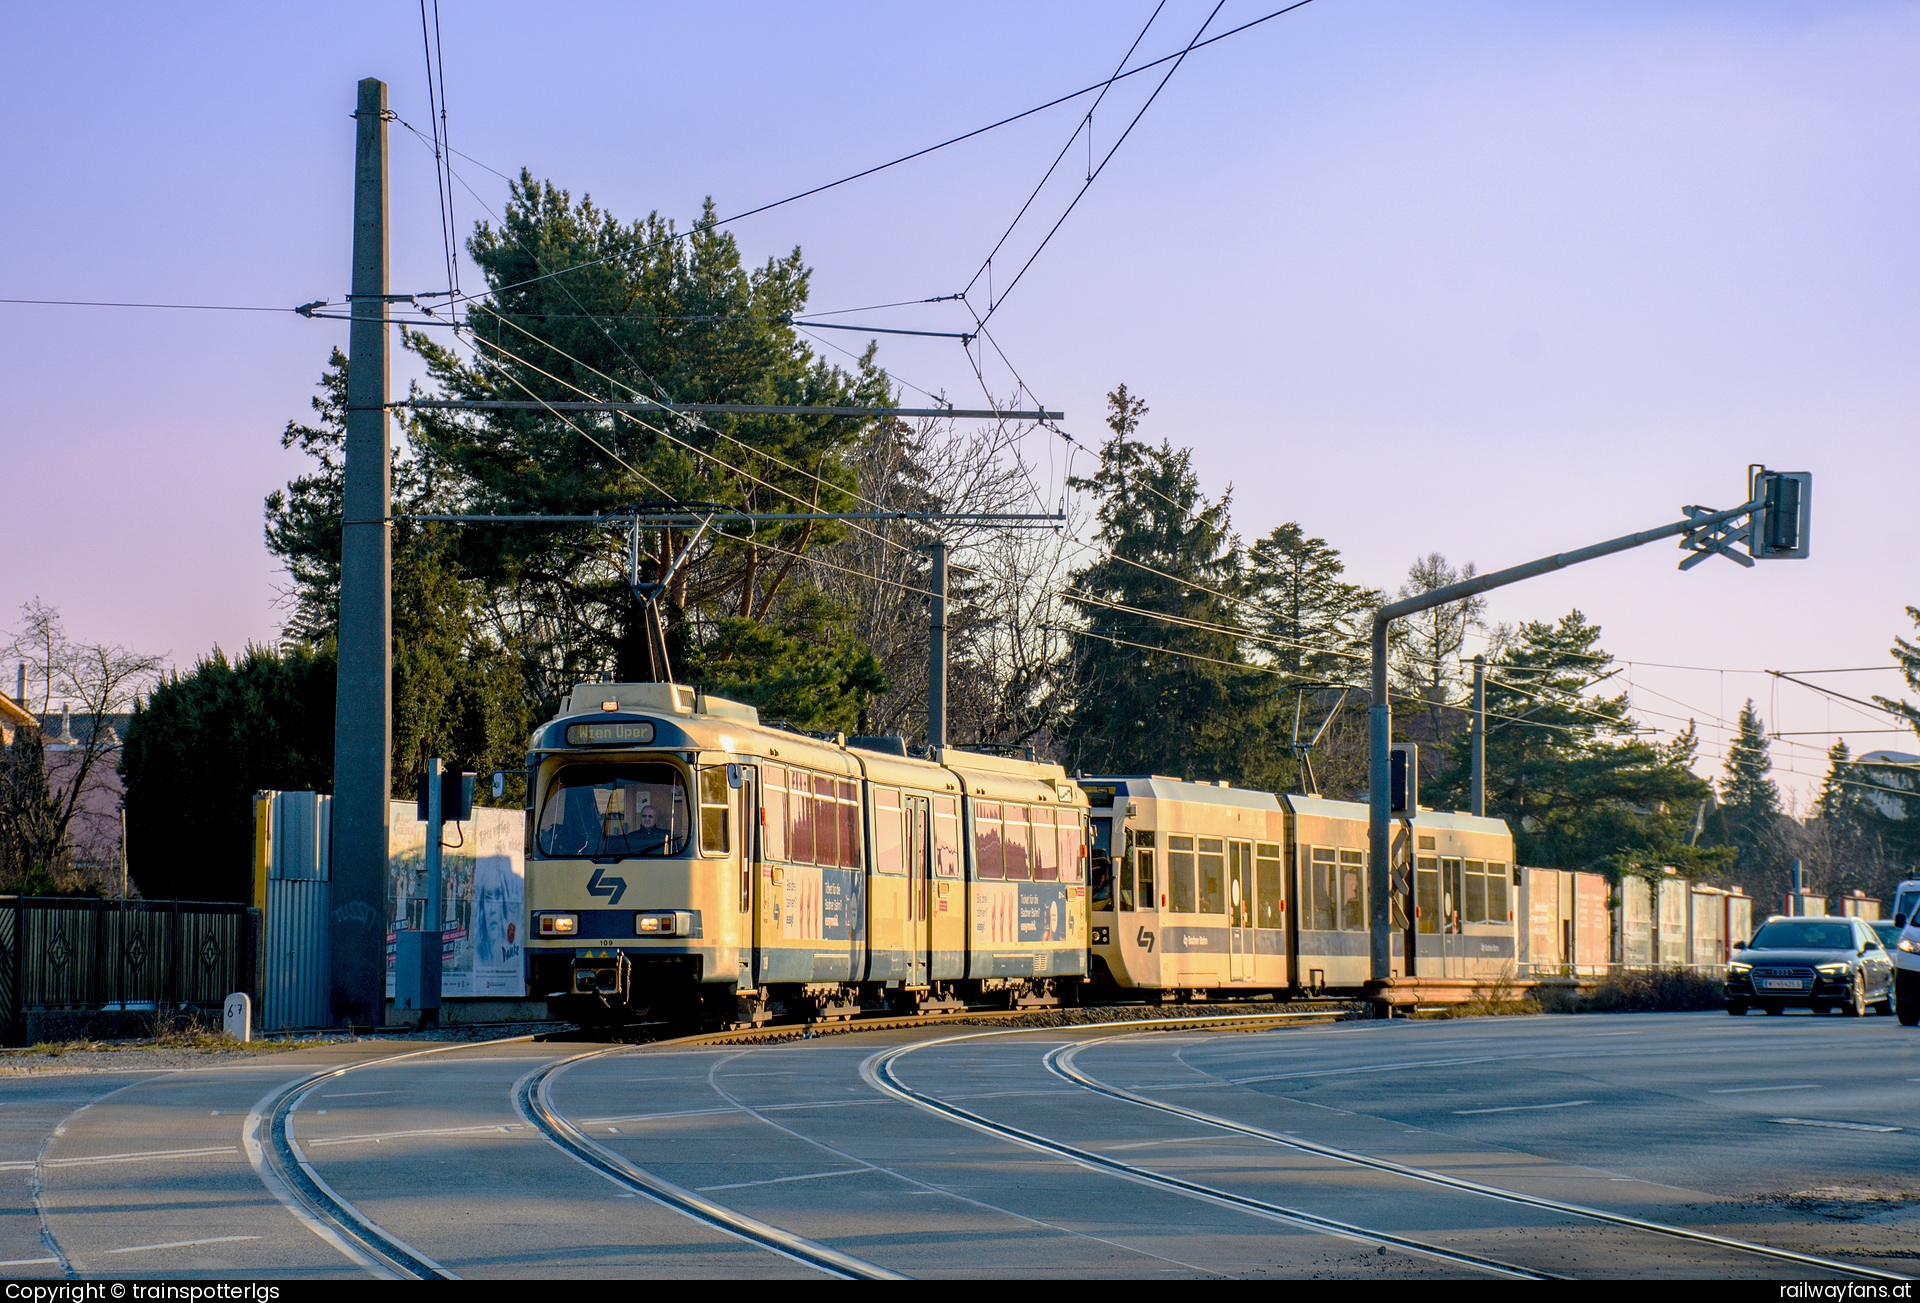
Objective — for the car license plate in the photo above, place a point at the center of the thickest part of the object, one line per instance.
(1782, 984)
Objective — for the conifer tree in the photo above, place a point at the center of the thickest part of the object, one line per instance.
(1749, 815)
(1564, 768)
(1745, 789)
(1158, 680)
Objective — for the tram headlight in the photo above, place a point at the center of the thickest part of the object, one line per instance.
(663, 923)
(557, 925)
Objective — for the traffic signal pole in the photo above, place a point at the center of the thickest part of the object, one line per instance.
(1703, 533)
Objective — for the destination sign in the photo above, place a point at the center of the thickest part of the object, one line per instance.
(1099, 794)
(614, 732)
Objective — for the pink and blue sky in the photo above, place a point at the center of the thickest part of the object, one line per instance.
(1485, 277)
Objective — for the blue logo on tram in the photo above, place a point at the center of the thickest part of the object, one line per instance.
(601, 885)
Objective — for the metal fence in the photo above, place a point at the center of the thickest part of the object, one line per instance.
(62, 953)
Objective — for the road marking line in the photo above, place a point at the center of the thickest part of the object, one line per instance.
(1755, 1090)
(377, 1137)
(207, 1152)
(1521, 1108)
(356, 1094)
(180, 1244)
(782, 1180)
(28, 1262)
(1148, 1144)
(1837, 1126)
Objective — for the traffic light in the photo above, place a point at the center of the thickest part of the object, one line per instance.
(1403, 785)
(1778, 530)
(456, 796)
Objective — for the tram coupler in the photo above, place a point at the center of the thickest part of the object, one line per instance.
(608, 976)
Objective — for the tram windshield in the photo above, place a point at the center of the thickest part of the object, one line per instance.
(615, 811)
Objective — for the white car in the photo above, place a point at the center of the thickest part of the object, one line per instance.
(1906, 953)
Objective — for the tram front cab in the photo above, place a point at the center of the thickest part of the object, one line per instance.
(637, 878)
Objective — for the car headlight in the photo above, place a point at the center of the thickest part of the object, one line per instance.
(1739, 970)
(556, 925)
(1906, 944)
(1832, 970)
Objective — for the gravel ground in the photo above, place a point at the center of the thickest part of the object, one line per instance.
(175, 1054)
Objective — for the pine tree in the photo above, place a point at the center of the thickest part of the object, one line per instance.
(1318, 622)
(1745, 788)
(1579, 790)
(1158, 680)
(1749, 815)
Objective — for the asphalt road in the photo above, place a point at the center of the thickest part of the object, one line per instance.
(1356, 1149)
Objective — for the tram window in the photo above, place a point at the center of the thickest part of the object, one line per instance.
(826, 825)
(1426, 893)
(773, 799)
(1476, 881)
(1213, 876)
(1454, 890)
(1324, 876)
(800, 817)
(1073, 831)
(1016, 845)
(1143, 853)
(1101, 876)
(1353, 891)
(1046, 847)
(888, 834)
(1180, 890)
(851, 841)
(1266, 872)
(1497, 908)
(986, 842)
(600, 811)
(946, 837)
(714, 799)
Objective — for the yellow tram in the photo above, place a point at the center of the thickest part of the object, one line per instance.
(1202, 887)
(685, 857)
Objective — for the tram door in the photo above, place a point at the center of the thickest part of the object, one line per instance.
(1240, 911)
(1453, 901)
(919, 868)
(1427, 921)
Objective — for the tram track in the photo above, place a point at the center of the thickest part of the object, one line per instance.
(1060, 1062)
(533, 1100)
(878, 1072)
(273, 1149)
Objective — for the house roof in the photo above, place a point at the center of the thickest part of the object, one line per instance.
(12, 714)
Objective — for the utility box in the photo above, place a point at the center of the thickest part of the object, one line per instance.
(416, 970)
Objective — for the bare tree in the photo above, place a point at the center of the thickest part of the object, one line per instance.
(1003, 584)
(95, 683)
(1426, 650)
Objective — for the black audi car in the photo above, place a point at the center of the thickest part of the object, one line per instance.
(1823, 963)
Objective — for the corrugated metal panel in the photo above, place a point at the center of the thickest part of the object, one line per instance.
(294, 976)
(301, 823)
(294, 970)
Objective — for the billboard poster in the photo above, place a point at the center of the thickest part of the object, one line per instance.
(483, 898)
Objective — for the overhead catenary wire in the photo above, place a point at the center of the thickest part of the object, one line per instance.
(1085, 124)
(922, 153)
(994, 305)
